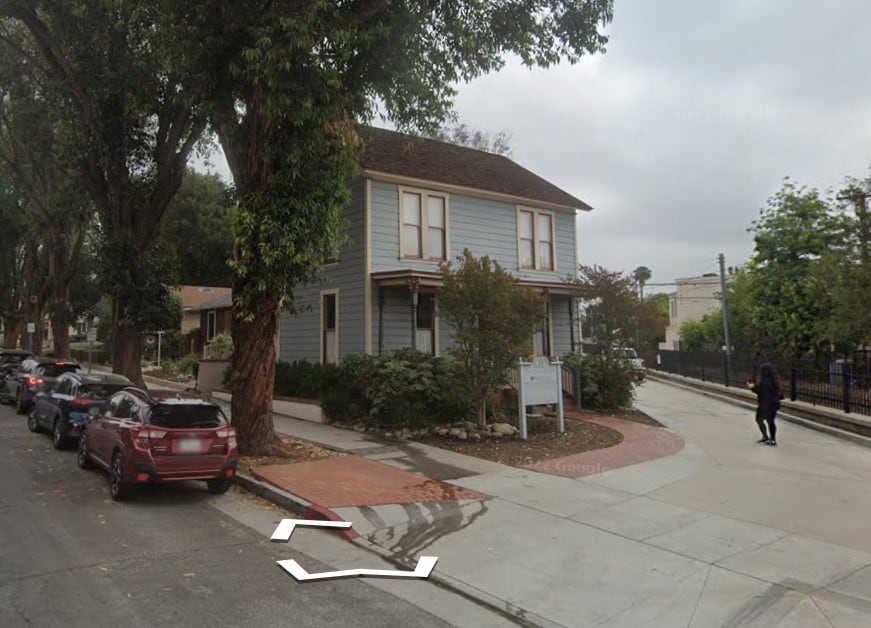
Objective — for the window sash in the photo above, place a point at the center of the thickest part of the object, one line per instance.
(535, 240)
(424, 226)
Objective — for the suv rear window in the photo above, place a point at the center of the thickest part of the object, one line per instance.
(183, 415)
(99, 391)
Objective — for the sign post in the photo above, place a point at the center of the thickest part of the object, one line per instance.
(31, 329)
(92, 336)
(540, 382)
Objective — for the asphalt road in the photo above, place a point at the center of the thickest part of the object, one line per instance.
(69, 556)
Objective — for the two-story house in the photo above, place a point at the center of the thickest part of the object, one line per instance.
(418, 203)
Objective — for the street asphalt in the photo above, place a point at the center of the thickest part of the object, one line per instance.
(178, 556)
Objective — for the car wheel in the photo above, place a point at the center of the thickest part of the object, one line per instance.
(119, 489)
(57, 437)
(19, 404)
(219, 486)
(32, 423)
(83, 459)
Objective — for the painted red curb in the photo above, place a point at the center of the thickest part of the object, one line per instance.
(314, 511)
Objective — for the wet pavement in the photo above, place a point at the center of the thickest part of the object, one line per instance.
(689, 525)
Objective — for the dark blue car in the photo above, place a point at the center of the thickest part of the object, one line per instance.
(64, 409)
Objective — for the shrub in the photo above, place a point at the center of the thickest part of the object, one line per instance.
(188, 364)
(404, 388)
(303, 379)
(606, 383)
(220, 347)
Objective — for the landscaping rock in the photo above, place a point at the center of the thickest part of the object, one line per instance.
(503, 429)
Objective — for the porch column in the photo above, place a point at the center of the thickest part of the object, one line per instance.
(413, 285)
(380, 319)
(571, 303)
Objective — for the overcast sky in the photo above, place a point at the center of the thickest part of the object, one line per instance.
(679, 133)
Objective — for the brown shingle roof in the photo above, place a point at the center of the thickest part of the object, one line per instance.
(395, 153)
(193, 296)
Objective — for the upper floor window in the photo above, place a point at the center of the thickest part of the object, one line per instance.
(424, 225)
(535, 239)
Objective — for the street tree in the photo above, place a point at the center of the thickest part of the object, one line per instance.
(787, 298)
(127, 94)
(198, 230)
(847, 269)
(286, 82)
(611, 305)
(38, 148)
(492, 318)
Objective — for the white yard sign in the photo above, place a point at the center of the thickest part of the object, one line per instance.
(540, 382)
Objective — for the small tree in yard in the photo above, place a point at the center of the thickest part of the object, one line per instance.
(492, 318)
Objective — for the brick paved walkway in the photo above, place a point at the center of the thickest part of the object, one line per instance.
(357, 481)
(640, 444)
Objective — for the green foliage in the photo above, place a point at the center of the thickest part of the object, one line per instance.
(703, 335)
(606, 383)
(304, 380)
(492, 318)
(189, 364)
(787, 300)
(220, 347)
(612, 306)
(197, 230)
(396, 389)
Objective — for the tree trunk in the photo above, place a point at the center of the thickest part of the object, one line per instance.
(253, 380)
(482, 412)
(60, 329)
(126, 348)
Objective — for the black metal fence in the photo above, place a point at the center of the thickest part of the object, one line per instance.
(843, 384)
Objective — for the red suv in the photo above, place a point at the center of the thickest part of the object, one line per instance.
(159, 436)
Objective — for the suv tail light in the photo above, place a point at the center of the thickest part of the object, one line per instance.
(143, 436)
(80, 404)
(230, 434)
(33, 381)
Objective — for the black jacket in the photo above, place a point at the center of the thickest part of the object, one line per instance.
(768, 397)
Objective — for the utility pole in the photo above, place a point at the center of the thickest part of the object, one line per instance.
(725, 319)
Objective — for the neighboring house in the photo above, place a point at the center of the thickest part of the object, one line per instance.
(419, 203)
(693, 298)
(215, 317)
(192, 297)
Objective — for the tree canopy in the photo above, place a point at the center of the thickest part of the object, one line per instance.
(286, 83)
(492, 319)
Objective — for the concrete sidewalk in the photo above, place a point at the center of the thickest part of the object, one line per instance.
(720, 532)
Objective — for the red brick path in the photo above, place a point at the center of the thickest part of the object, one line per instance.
(357, 481)
(640, 444)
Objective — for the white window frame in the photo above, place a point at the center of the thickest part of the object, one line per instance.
(321, 314)
(211, 325)
(424, 195)
(536, 239)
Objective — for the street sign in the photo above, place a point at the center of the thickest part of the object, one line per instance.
(31, 328)
(92, 335)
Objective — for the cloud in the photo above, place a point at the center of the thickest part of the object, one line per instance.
(679, 133)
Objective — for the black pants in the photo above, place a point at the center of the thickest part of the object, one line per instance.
(765, 417)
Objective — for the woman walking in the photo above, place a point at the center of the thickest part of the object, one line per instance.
(768, 395)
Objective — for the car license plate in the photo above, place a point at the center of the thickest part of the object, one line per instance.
(187, 445)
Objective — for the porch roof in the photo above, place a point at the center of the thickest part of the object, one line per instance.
(428, 279)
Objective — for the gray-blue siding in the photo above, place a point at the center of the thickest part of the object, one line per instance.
(485, 227)
(300, 334)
